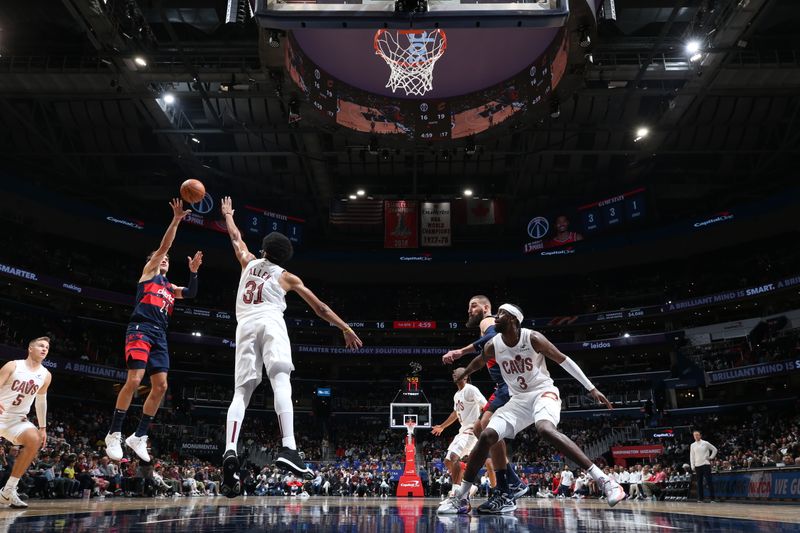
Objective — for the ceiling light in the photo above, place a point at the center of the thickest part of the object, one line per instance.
(692, 47)
(139, 60)
(353, 197)
(626, 335)
(195, 139)
(169, 98)
(361, 192)
(696, 57)
(467, 192)
(641, 133)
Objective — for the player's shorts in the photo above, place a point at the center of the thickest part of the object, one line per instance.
(14, 425)
(526, 409)
(498, 399)
(261, 341)
(146, 347)
(462, 445)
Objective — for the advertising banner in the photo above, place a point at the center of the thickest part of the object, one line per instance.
(758, 485)
(745, 373)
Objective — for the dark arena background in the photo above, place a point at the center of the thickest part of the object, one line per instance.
(622, 171)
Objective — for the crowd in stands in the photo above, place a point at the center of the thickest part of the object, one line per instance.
(743, 351)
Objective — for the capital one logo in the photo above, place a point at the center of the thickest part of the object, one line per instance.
(538, 227)
(414, 483)
(204, 206)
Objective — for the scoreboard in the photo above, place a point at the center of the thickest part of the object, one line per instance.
(433, 121)
(614, 211)
(261, 222)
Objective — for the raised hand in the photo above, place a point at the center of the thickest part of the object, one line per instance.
(178, 212)
(437, 430)
(195, 262)
(226, 206)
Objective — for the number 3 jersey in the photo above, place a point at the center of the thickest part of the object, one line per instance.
(523, 368)
(259, 292)
(17, 394)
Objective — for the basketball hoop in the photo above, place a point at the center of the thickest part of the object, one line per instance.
(411, 56)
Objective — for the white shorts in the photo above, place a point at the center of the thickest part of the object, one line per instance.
(462, 445)
(261, 341)
(12, 426)
(525, 409)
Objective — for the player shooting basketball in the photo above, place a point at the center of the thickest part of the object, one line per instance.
(146, 339)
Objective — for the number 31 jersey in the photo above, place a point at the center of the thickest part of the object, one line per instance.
(259, 292)
(523, 368)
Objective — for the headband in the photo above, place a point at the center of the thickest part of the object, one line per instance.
(513, 311)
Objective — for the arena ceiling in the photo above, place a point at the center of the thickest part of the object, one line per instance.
(77, 113)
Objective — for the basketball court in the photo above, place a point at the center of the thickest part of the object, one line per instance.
(320, 514)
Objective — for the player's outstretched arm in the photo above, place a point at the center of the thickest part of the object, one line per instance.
(243, 255)
(41, 408)
(548, 349)
(478, 362)
(437, 429)
(190, 291)
(178, 214)
(290, 282)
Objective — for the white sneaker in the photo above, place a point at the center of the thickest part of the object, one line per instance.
(613, 492)
(454, 506)
(138, 445)
(114, 446)
(11, 498)
(473, 490)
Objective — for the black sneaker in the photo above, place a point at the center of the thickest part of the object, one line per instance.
(231, 487)
(498, 503)
(293, 460)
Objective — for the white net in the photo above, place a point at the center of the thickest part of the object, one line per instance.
(411, 56)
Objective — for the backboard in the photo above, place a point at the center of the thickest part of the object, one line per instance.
(399, 413)
(289, 14)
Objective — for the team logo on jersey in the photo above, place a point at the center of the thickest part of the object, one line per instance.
(518, 365)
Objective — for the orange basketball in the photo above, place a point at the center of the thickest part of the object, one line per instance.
(192, 191)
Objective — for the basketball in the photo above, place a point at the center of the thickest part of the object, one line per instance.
(192, 191)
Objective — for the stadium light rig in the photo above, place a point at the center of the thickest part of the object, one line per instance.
(693, 51)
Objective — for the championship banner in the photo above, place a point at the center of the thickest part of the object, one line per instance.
(400, 224)
(436, 230)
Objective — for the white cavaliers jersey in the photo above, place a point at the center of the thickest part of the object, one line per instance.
(18, 393)
(523, 368)
(259, 292)
(467, 403)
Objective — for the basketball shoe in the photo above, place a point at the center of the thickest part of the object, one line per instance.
(498, 503)
(612, 491)
(517, 490)
(114, 446)
(139, 445)
(231, 487)
(10, 497)
(454, 505)
(293, 460)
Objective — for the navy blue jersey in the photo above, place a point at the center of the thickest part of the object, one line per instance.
(491, 365)
(155, 299)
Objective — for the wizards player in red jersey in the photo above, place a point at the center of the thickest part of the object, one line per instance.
(146, 339)
(479, 311)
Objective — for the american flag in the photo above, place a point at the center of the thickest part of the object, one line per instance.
(357, 212)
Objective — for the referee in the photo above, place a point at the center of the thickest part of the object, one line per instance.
(700, 453)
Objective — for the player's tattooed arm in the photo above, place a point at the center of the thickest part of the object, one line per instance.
(243, 254)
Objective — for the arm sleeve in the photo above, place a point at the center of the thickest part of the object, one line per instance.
(480, 343)
(575, 371)
(41, 410)
(190, 291)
